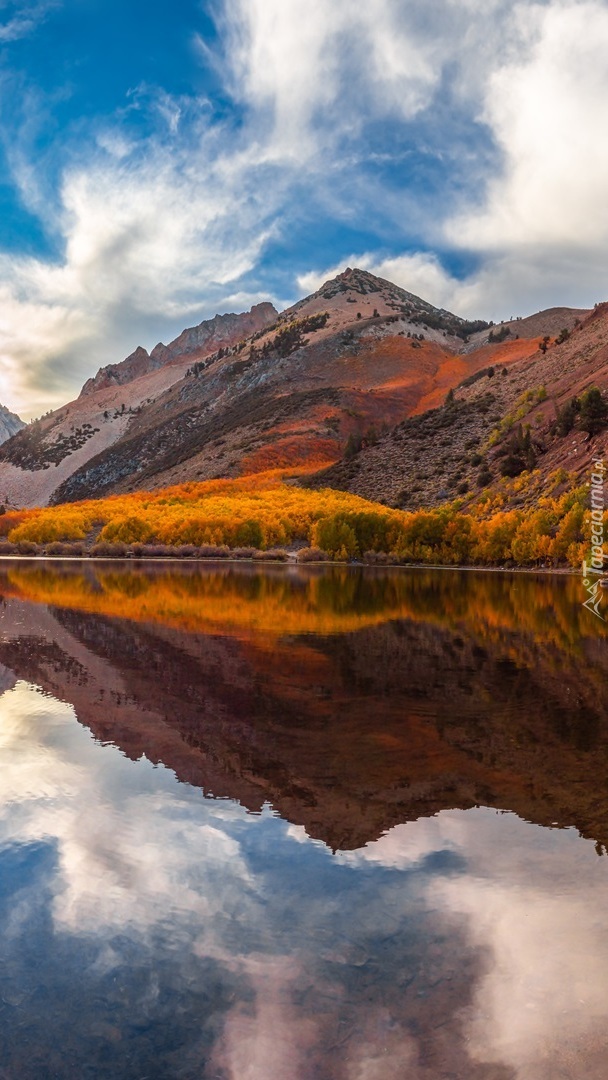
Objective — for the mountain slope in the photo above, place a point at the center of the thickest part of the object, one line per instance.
(290, 393)
(338, 361)
(462, 446)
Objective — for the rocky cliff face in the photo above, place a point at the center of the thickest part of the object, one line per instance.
(10, 424)
(221, 331)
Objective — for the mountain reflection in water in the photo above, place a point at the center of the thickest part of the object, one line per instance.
(285, 852)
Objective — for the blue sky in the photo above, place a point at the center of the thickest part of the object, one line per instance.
(160, 162)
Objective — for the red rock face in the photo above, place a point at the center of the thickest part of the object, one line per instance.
(220, 332)
(437, 453)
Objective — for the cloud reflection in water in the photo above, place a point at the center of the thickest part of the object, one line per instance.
(145, 926)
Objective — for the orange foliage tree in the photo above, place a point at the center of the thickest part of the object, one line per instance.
(264, 511)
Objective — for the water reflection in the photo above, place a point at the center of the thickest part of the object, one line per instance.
(244, 600)
(340, 908)
(448, 690)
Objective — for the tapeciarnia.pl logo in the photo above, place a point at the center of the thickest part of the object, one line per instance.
(593, 571)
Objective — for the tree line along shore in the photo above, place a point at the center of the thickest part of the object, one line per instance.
(269, 517)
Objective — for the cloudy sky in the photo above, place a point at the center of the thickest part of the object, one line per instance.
(160, 162)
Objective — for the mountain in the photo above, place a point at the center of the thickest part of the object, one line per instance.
(337, 360)
(339, 370)
(10, 424)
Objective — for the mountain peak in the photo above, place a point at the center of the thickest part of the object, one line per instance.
(356, 294)
(362, 283)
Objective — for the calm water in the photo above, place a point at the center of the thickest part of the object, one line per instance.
(294, 824)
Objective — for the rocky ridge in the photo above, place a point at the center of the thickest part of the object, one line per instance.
(220, 332)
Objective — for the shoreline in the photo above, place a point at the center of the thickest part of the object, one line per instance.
(559, 571)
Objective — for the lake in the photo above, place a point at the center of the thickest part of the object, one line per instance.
(301, 823)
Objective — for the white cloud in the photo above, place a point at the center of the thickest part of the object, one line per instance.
(541, 1002)
(142, 858)
(542, 228)
(274, 1041)
(534, 904)
(165, 231)
(405, 846)
(25, 19)
(539, 232)
(48, 768)
(148, 243)
(547, 111)
(321, 69)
